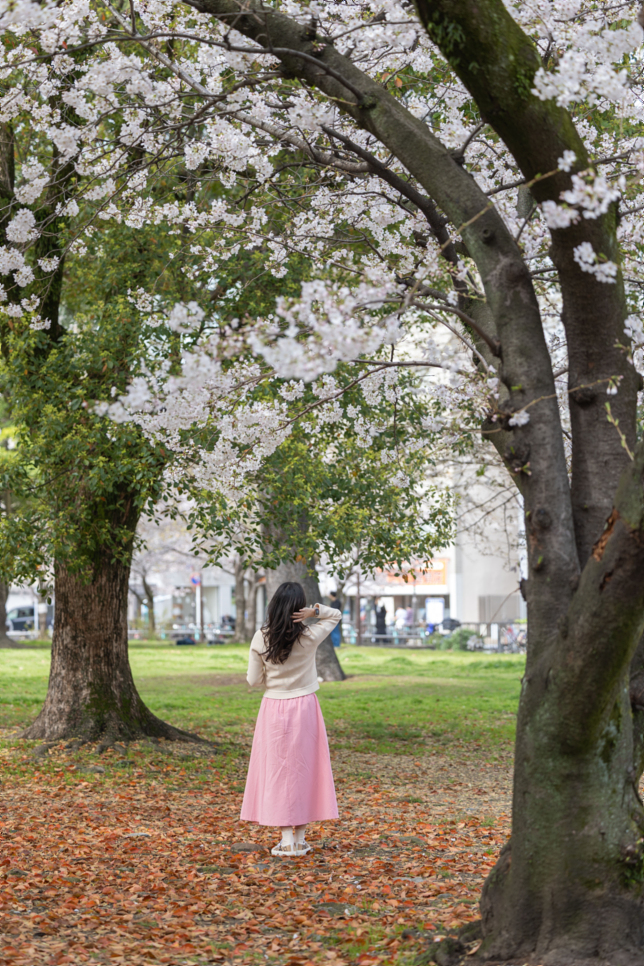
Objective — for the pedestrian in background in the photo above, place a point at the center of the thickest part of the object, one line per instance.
(336, 633)
(381, 623)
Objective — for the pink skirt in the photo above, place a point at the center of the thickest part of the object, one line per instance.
(290, 781)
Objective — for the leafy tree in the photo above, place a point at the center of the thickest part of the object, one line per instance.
(91, 479)
(328, 496)
(87, 484)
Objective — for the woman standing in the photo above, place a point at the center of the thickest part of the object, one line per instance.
(289, 782)
(381, 623)
(336, 604)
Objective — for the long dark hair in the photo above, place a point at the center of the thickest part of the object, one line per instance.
(280, 631)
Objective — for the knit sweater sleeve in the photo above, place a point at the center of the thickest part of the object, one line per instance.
(316, 633)
(256, 669)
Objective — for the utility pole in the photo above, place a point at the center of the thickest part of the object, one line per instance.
(195, 580)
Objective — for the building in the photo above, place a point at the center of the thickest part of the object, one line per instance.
(474, 581)
(463, 584)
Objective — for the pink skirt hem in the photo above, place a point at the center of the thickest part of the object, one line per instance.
(290, 781)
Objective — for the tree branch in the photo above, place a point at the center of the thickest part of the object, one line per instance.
(497, 63)
(424, 204)
(511, 306)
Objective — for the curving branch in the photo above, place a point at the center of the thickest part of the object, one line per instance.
(497, 63)
(511, 304)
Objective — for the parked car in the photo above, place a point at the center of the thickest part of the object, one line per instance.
(187, 639)
(21, 619)
(220, 634)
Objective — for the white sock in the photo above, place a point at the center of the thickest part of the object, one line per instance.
(300, 834)
(287, 836)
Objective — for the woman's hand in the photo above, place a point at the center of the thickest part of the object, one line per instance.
(304, 614)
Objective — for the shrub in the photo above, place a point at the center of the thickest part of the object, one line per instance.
(462, 639)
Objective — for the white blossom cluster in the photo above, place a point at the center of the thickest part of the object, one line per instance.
(274, 167)
(586, 258)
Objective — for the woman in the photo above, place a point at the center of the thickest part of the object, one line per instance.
(381, 622)
(289, 782)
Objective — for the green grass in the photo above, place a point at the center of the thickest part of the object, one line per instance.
(393, 702)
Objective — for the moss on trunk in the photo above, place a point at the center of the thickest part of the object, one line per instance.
(91, 691)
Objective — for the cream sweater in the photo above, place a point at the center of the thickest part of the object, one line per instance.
(297, 675)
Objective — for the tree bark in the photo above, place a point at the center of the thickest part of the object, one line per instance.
(240, 603)
(139, 602)
(568, 887)
(41, 615)
(91, 691)
(5, 640)
(326, 660)
(636, 695)
(149, 593)
(251, 603)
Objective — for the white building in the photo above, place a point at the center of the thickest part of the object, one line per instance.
(476, 580)
(463, 584)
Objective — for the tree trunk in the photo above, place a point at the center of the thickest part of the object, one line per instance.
(41, 615)
(568, 886)
(91, 691)
(251, 602)
(149, 593)
(139, 601)
(240, 603)
(5, 640)
(326, 659)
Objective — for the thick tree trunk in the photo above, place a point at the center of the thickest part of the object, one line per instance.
(636, 694)
(5, 640)
(567, 887)
(91, 691)
(327, 663)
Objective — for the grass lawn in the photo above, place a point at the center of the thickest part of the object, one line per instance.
(393, 701)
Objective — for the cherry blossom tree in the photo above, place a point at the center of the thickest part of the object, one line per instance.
(88, 479)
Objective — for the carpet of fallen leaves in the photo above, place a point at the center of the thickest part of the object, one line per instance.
(138, 857)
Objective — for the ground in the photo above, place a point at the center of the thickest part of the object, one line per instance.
(136, 856)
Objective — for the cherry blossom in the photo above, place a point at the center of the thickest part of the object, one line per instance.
(254, 144)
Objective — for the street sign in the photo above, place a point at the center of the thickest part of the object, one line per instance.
(196, 580)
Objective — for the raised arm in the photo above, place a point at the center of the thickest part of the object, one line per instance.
(328, 617)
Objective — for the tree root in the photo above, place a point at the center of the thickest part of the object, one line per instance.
(460, 947)
(465, 947)
(86, 726)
